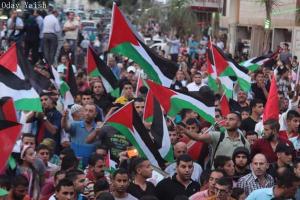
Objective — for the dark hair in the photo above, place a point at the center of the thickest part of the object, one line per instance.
(42, 147)
(258, 72)
(296, 162)
(63, 183)
(254, 102)
(105, 196)
(292, 114)
(192, 121)
(67, 151)
(72, 175)
(138, 99)
(68, 162)
(143, 90)
(58, 173)
(184, 112)
(184, 158)
(149, 197)
(204, 177)
(19, 180)
(238, 114)
(102, 146)
(225, 181)
(273, 123)
(94, 159)
(101, 185)
(251, 133)
(27, 135)
(87, 92)
(237, 192)
(286, 178)
(181, 197)
(119, 171)
(136, 163)
(220, 161)
(5, 182)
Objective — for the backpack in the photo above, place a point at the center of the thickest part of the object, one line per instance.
(32, 30)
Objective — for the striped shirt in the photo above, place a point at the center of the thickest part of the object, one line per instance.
(250, 182)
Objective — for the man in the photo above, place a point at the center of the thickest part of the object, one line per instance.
(71, 28)
(260, 89)
(180, 148)
(173, 135)
(95, 173)
(78, 179)
(292, 122)
(258, 178)
(196, 84)
(87, 98)
(50, 41)
(101, 98)
(285, 159)
(127, 93)
(142, 170)
(64, 190)
(139, 105)
(268, 143)
(180, 183)
(14, 25)
(82, 132)
(215, 175)
(223, 189)
(49, 121)
(225, 142)
(241, 159)
(241, 102)
(285, 188)
(44, 153)
(174, 44)
(285, 56)
(48, 189)
(19, 188)
(257, 109)
(114, 67)
(120, 183)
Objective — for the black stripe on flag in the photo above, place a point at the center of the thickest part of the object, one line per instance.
(145, 136)
(104, 70)
(157, 128)
(167, 67)
(71, 80)
(13, 81)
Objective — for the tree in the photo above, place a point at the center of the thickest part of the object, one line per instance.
(270, 5)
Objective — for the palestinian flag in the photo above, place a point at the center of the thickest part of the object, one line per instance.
(159, 131)
(226, 82)
(140, 83)
(13, 85)
(271, 110)
(148, 110)
(224, 105)
(227, 67)
(127, 121)
(63, 88)
(71, 80)
(125, 42)
(173, 102)
(255, 63)
(97, 67)
(9, 130)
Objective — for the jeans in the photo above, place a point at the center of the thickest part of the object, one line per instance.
(50, 44)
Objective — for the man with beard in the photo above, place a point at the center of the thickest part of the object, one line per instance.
(285, 158)
(142, 170)
(78, 178)
(215, 175)
(120, 183)
(241, 102)
(257, 108)
(179, 184)
(258, 178)
(139, 105)
(267, 145)
(95, 173)
(19, 188)
(241, 159)
(224, 142)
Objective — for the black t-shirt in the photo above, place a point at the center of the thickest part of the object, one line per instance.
(238, 175)
(248, 124)
(258, 92)
(105, 102)
(169, 188)
(137, 192)
(235, 106)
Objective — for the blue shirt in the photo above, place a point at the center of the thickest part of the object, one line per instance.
(261, 194)
(79, 132)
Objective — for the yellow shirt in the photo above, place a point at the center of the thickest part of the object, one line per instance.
(121, 100)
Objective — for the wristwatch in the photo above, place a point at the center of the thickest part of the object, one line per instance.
(45, 118)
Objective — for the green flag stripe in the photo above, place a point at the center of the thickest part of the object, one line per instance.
(29, 104)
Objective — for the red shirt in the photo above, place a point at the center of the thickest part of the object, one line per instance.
(284, 135)
(263, 146)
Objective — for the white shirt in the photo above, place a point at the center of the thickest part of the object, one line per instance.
(19, 23)
(71, 35)
(171, 169)
(192, 87)
(174, 46)
(51, 24)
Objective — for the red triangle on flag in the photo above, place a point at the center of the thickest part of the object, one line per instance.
(272, 106)
(7, 109)
(9, 132)
(148, 112)
(9, 59)
(224, 105)
(118, 116)
(120, 31)
(91, 63)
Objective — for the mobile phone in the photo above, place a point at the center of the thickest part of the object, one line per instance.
(132, 152)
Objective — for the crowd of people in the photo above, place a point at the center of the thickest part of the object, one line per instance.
(65, 154)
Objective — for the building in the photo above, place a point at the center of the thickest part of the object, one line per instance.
(245, 20)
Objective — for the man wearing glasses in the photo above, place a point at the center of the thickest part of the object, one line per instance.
(223, 189)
